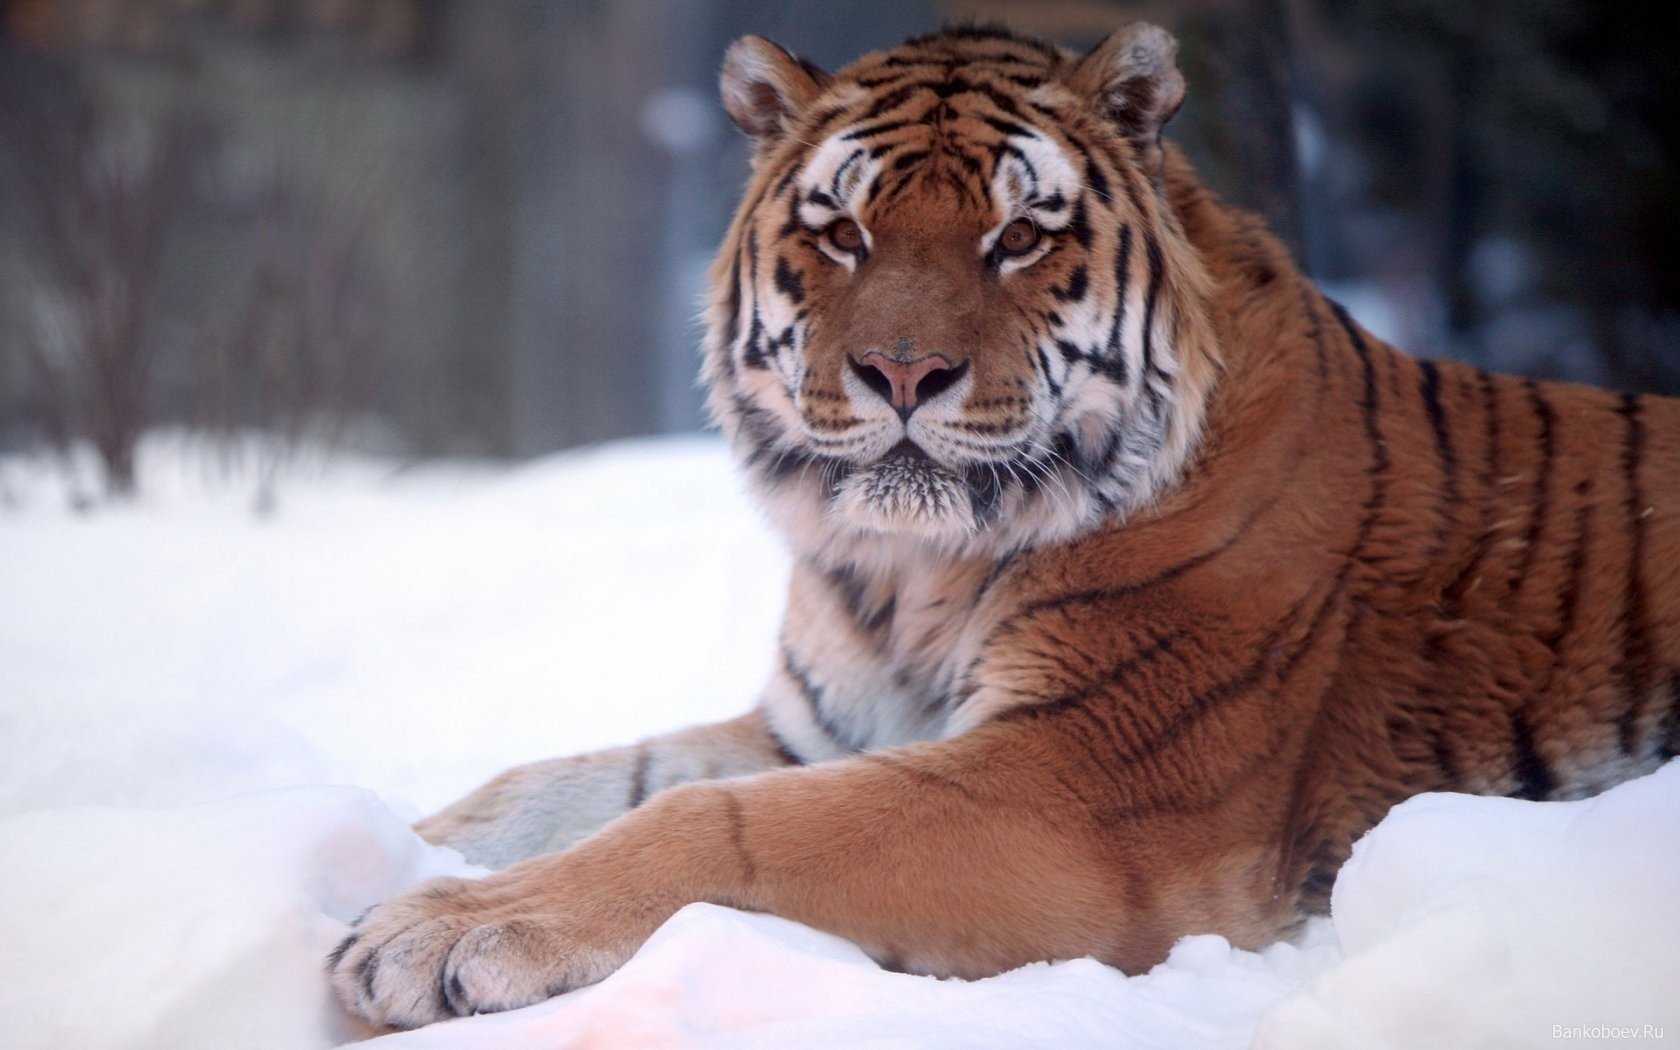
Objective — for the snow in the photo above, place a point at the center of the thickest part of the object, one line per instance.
(212, 935)
(1463, 917)
(787, 985)
(181, 682)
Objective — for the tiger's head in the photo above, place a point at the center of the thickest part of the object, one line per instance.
(954, 307)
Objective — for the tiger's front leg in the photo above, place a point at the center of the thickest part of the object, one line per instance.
(965, 857)
(546, 806)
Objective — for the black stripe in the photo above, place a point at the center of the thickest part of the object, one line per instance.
(1044, 366)
(851, 590)
(840, 172)
(1569, 603)
(893, 99)
(1078, 726)
(1535, 779)
(1020, 158)
(881, 80)
(1095, 178)
(1007, 127)
(1371, 409)
(944, 62)
(1122, 279)
(336, 956)
(1124, 173)
(1174, 723)
(1152, 249)
(1455, 594)
(788, 282)
(736, 819)
(1428, 716)
(922, 775)
(996, 98)
(813, 696)
(1490, 406)
(968, 164)
(1053, 203)
(1635, 669)
(786, 180)
(452, 996)
(995, 573)
(909, 159)
(1315, 329)
(1669, 735)
(793, 224)
(817, 126)
(854, 597)
(1430, 389)
(1074, 290)
(879, 128)
(638, 776)
(1098, 596)
(1440, 748)
(369, 972)
(1542, 504)
(893, 189)
(1114, 368)
(1115, 676)
(783, 751)
(1068, 667)
(732, 326)
(958, 185)
(1079, 223)
(1266, 658)
(753, 355)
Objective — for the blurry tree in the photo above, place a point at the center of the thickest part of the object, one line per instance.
(300, 356)
(1519, 159)
(282, 343)
(102, 198)
(1239, 122)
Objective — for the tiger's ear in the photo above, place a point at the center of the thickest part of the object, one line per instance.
(1133, 79)
(765, 89)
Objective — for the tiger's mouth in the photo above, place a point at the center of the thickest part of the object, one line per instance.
(910, 455)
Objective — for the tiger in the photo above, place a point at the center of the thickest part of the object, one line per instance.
(1132, 579)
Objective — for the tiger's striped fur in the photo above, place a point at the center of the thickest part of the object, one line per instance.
(1187, 581)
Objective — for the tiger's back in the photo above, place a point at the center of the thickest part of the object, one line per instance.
(1516, 627)
(1383, 576)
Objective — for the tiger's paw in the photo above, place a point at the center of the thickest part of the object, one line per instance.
(454, 947)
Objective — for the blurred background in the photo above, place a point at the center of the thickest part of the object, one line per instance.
(480, 229)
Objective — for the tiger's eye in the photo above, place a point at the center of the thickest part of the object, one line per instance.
(1018, 238)
(846, 235)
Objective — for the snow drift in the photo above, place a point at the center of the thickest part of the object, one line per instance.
(177, 678)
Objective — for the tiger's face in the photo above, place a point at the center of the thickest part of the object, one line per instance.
(953, 306)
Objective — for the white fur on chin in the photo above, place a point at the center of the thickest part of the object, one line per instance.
(903, 495)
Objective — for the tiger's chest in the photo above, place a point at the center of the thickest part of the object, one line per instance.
(874, 658)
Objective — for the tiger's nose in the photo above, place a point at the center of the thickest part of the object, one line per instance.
(906, 384)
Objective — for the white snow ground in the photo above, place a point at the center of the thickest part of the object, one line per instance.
(179, 679)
